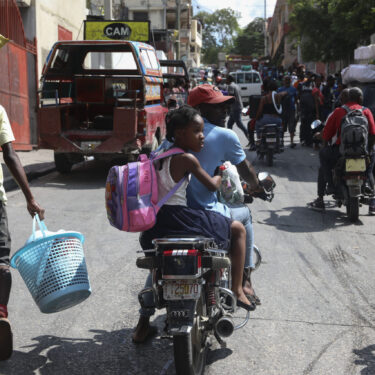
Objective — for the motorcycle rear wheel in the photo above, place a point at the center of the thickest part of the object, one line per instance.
(190, 350)
(352, 209)
(270, 158)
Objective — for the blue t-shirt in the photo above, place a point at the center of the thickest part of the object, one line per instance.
(292, 91)
(220, 145)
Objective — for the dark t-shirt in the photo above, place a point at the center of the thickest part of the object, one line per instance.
(306, 99)
(329, 97)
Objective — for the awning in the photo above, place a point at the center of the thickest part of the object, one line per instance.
(153, 79)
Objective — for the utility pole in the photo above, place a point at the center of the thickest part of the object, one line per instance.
(178, 27)
(265, 29)
(108, 9)
(108, 17)
(165, 14)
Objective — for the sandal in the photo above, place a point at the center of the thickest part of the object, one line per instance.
(245, 306)
(254, 299)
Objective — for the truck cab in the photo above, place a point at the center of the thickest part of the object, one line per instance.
(102, 99)
(249, 82)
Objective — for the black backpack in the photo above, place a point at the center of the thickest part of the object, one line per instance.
(306, 99)
(354, 132)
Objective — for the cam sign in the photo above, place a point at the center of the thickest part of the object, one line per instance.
(117, 30)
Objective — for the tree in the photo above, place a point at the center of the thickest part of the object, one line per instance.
(219, 30)
(330, 30)
(250, 40)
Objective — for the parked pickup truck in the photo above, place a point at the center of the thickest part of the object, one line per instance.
(102, 99)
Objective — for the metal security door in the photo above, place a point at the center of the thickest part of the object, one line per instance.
(14, 81)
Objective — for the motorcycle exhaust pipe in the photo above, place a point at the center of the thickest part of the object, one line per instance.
(224, 326)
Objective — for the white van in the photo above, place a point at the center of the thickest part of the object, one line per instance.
(250, 83)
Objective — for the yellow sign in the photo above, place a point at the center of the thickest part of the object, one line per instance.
(117, 30)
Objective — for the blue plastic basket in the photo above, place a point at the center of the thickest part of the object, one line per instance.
(54, 269)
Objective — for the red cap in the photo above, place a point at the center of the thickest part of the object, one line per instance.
(207, 94)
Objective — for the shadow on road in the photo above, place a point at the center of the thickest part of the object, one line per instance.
(299, 219)
(107, 352)
(104, 353)
(367, 359)
(217, 355)
(90, 174)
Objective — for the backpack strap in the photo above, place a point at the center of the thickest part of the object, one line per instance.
(171, 192)
(165, 154)
(347, 109)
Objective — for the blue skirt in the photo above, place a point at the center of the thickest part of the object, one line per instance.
(182, 220)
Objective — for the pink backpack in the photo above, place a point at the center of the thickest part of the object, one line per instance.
(131, 193)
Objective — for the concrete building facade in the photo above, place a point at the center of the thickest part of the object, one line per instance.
(280, 45)
(51, 20)
(173, 29)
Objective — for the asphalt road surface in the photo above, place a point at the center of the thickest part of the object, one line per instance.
(316, 286)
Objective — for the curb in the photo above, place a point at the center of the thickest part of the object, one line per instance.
(32, 171)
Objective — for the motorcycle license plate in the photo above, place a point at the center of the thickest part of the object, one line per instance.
(271, 140)
(355, 165)
(181, 289)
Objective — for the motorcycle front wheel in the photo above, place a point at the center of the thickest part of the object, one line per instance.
(190, 350)
(352, 209)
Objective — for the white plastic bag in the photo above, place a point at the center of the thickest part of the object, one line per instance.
(231, 190)
(358, 73)
(42, 232)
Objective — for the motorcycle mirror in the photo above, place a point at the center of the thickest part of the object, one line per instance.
(266, 181)
(315, 124)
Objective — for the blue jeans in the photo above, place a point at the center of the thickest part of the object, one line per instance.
(240, 213)
(235, 117)
(268, 119)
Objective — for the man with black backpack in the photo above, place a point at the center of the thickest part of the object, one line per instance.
(351, 127)
(307, 108)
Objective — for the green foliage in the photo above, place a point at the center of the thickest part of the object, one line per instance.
(219, 30)
(330, 30)
(250, 40)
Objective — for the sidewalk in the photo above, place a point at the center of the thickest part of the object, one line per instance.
(36, 163)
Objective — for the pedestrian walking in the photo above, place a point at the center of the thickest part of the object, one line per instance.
(236, 108)
(14, 165)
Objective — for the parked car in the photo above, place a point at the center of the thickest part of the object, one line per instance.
(100, 98)
(194, 73)
(250, 83)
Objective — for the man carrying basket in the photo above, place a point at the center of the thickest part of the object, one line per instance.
(15, 167)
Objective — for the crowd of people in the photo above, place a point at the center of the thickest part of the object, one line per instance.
(199, 128)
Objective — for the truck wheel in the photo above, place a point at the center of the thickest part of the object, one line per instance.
(62, 162)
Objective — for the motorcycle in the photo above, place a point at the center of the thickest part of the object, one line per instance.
(317, 127)
(269, 143)
(350, 183)
(351, 187)
(192, 280)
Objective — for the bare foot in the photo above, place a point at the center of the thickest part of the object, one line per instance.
(248, 289)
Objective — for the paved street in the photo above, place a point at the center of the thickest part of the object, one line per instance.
(316, 286)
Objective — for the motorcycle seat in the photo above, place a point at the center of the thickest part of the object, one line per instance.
(184, 242)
